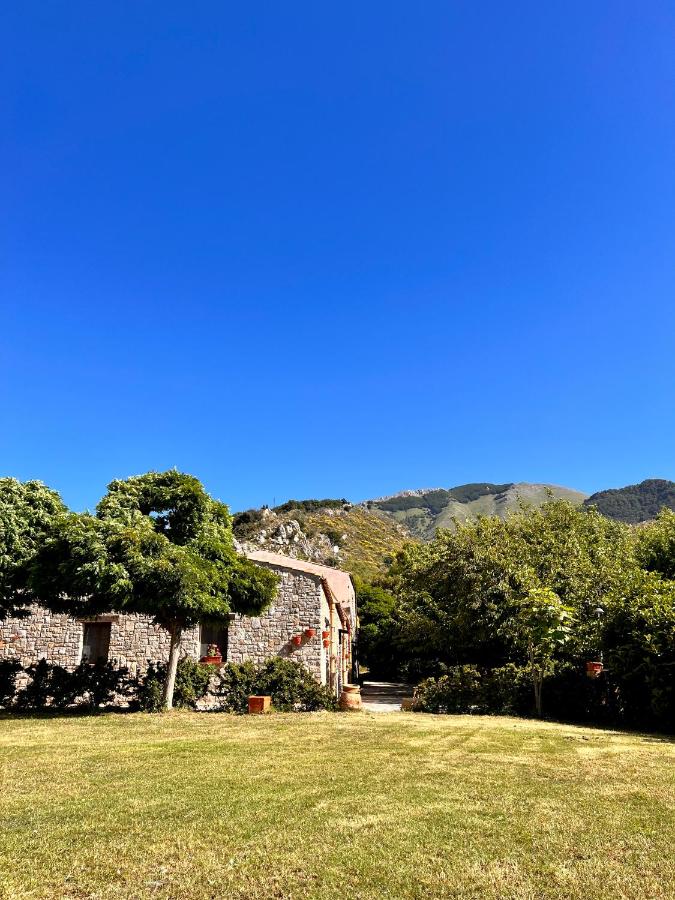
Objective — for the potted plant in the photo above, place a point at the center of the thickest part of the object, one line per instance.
(310, 632)
(213, 656)
(325, 635)
(297, 639)
(594, 669)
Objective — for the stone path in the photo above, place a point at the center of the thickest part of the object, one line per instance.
(384, 696)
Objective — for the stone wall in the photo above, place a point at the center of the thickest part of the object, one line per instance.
(135, 640)
(296, 608)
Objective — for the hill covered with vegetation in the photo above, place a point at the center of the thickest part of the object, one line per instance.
(330, 532)
(423, 512)
(636, 502)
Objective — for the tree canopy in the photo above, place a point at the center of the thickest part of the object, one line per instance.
(27, 511)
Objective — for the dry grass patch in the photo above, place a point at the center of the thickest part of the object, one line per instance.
(194, 806)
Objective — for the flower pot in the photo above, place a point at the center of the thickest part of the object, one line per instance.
(259, 705)
(296, 639)
(325, 634)
(326, 642)
(310, 632)
(594, 669)
(350, 698)
(211, 660)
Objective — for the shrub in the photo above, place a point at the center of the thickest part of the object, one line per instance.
(459, 691)
(9, 669)
(88, 685)
(235, 684)
(507, 690)
(291, 687)
(43, 684)
(192, 683)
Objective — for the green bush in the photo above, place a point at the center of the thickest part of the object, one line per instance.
(9, 669)
(459, 691)
(291, 687)
(192, 682)
(235, 684)
(88, 685)
(507, 690)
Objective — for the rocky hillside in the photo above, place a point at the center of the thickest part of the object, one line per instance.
(636, 502)
(422, 512)
(330, 532)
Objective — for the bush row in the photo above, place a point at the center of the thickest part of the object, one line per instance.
(570, 695)
(95, 686)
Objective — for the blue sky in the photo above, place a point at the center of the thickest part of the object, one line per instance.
(313, 250)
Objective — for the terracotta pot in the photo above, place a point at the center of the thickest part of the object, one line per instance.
(310, 632)
(326, 642)
(296, 639)
(211, 660)
(594, 669)
(325, 634)
(350, 698)
(259, 705)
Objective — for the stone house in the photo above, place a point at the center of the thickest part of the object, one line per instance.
(312, 601)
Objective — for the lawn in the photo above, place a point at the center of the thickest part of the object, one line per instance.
(326, 805)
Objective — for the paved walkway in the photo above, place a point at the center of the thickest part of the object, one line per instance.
(384, 696)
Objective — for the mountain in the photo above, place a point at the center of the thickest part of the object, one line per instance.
(330, 532)
(421, 512)
(636, 502)
(364, 537)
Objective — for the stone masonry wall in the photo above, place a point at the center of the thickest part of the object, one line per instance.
(135, 640)
(296, 608)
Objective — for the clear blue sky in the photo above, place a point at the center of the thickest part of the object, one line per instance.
(309, 249)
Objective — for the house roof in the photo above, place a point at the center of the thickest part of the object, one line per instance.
(338, 581)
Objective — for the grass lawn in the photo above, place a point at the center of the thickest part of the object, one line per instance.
(344, 806)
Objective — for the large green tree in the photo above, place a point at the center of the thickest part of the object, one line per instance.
(27, 511)
(158, 545)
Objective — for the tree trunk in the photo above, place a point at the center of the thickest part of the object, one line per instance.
(176, 632)
(537, 680)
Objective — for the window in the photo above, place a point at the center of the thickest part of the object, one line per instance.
(213, 633)
(95, 641)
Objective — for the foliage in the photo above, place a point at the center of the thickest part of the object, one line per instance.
(235, 683)
(546, 590)
(291, 687)
(9, 669)
(458, 691)
(247, 524)
(378, 626)
(89, 685)
(192, 682)
(27, 511)
(310, 505)
(159, 545)
(639, 648)
(656, 545)
(636, 502)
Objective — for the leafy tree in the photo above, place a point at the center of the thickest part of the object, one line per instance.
(542, 625)
(656, 545)
(378, 627)
(159, 545)
(27, 510)
(462, 592)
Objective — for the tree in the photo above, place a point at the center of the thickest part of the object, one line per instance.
(377, 629)
(656, 545)
(27, 510)
(159, 545)
(542, 626)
